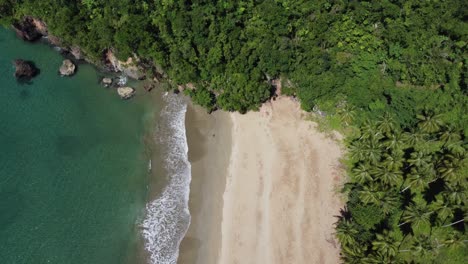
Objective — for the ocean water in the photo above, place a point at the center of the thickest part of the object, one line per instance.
(74, 179)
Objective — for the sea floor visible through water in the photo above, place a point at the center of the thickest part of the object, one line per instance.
(75, 178)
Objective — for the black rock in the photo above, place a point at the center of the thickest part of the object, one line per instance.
(25, 69)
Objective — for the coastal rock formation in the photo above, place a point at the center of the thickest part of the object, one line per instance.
(106, 81)
(67, 68)
(126, 92)
(28, 30)
(25, 69)
(76, 52)
(129, 67)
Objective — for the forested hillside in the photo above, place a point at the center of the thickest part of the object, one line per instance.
(394, 71)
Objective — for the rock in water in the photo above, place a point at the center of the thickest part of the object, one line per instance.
(27, 29)
(25, 69)
(67, 68)
(126, 92)
(106, 81)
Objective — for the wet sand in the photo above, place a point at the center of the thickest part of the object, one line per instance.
(209, 140)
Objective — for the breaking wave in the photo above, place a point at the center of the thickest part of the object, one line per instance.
(167, 217)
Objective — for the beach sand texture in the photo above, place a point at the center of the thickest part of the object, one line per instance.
(280, 199)
(263, 188)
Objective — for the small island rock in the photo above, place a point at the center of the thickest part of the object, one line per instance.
(106, 81)
(126, 92)
(25, 69)
(67, 68)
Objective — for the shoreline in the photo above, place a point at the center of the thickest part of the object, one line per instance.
(209, 140)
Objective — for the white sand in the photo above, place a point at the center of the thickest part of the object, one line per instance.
(280, 198)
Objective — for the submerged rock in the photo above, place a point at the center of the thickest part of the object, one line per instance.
(126, 92)
(106, 81)
(149, 86)
(67, 68)
(25, 69)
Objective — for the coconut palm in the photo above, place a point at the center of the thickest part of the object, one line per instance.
(345, 232)
(388, 203)
(353, 254)
(417, 214)
(419, 159)
(393, 161)
(413, 138)
(430, 122)
(456, 240)
(386, 124)
(450, 167)
(370, 131)
(387, 176)
(385, 244)
(444, 211)
(362, 173)
(449, 134)
(455, 193)
(394, 141)
(423, 246)
(370, 196)
(418, 179)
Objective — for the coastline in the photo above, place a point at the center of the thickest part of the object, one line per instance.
(209, 140)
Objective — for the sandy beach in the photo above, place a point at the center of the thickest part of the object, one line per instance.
(272, 198)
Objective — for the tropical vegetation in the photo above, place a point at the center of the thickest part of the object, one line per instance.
(391, 73)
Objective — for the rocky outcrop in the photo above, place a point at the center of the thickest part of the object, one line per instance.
(76, 52)
(129, 67)
(126, 92)
(25, 69)
(27, 30)
(106, 81)
(67, 68)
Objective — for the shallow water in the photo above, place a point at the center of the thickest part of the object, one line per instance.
(73, 163)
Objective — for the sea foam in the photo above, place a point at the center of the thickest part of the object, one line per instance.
(168, 217)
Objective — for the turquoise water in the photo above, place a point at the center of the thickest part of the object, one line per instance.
(73, 165)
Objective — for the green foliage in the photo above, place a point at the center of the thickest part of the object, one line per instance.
(392, 75)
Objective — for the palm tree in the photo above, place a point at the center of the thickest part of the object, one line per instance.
(430, 122)
(347, 115)
(417, 214)
(419, 159)
(450, 167)
(413, 138)
(345, 232)
(444, 211)
(423, 246)
(369, 196)
(353, 253)
(394, 141)
(386, 124)
(419, 179)
(450, 134)
(370, 131)
(455, 240)
(387, 176)
(393, 161)
(385, 244)
(361, 173)
(388, 203)
(463, 219)
(455, 193)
